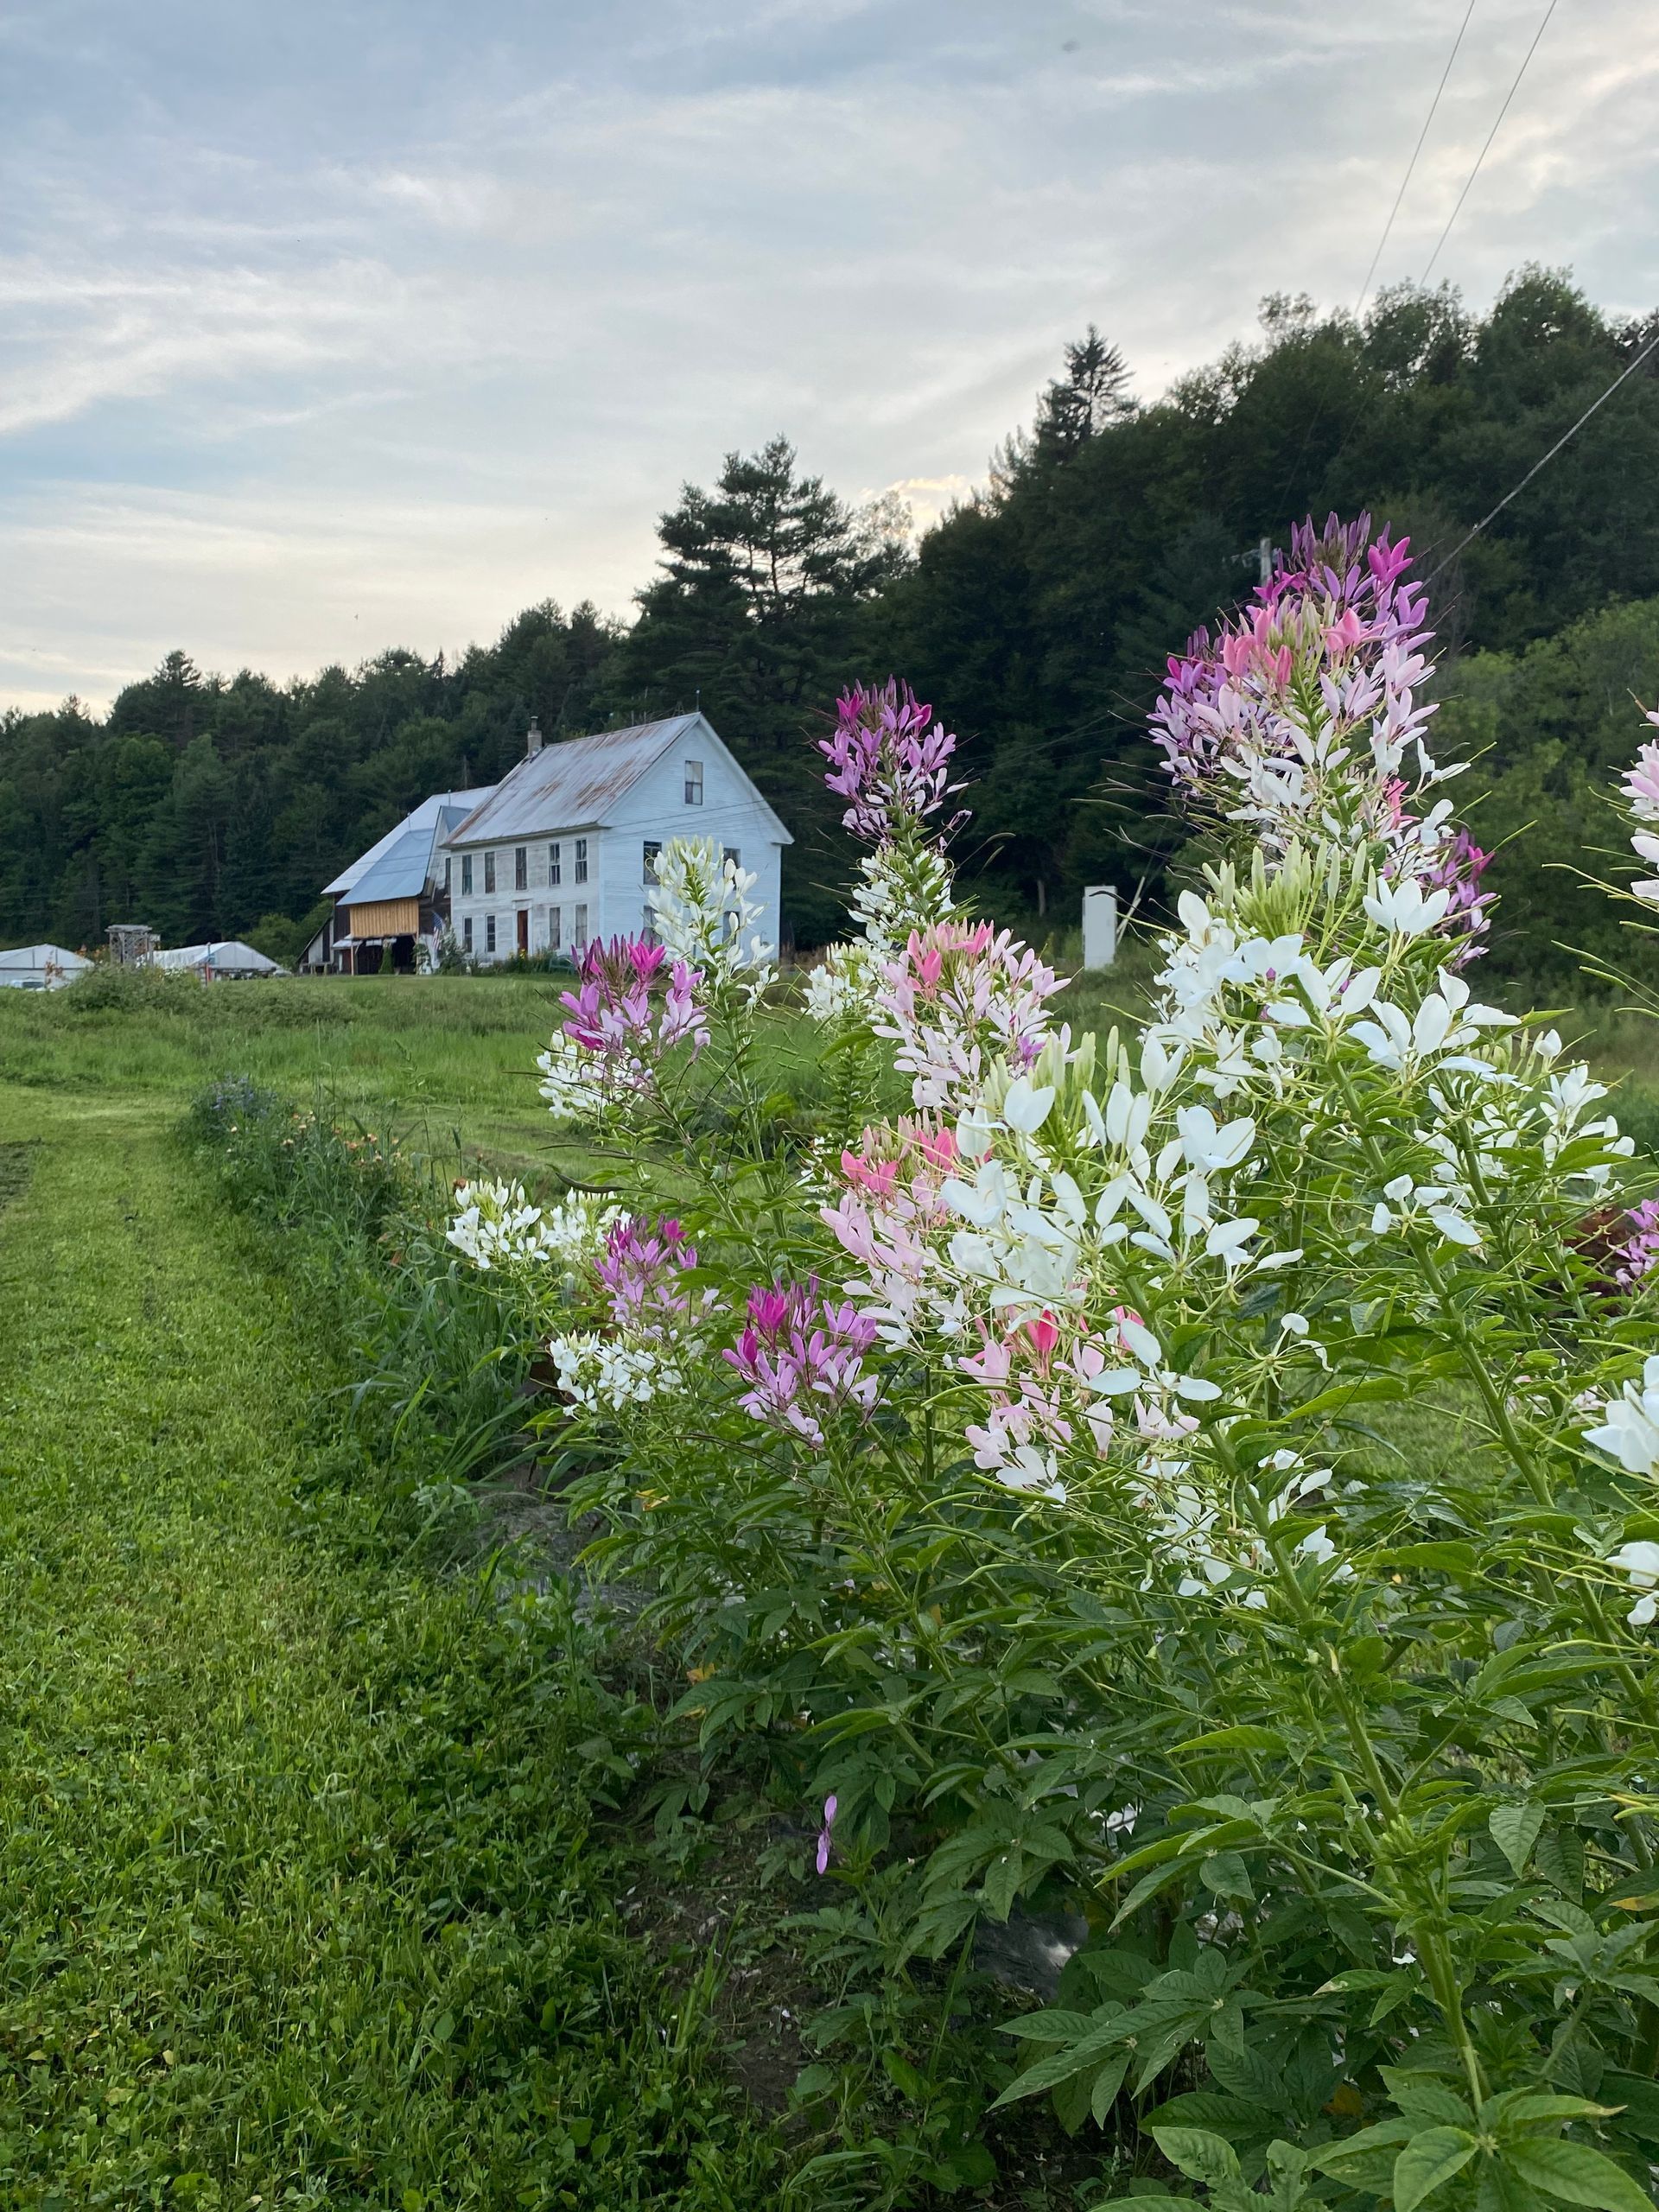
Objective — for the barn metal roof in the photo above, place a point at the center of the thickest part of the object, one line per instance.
(571, 783)
(433, 819)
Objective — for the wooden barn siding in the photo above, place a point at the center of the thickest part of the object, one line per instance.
(386, 918)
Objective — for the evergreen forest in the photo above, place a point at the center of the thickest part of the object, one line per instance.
(1036, 616)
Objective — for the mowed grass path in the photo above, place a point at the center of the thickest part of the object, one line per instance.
(296, 1905)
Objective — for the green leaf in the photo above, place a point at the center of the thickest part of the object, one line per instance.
(1057, 2025)
(1451, 1556)
(1428, 2160)
(1516, 1829)
(1237, 1739)
(1640, 2099)
(1060, 2065)
(1147, 1888)
(1107, 2083)
(1198, 2154)
(1574, 2173)
(1509, 2114)
(1225, 1875)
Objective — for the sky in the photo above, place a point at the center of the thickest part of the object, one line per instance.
(330, 328)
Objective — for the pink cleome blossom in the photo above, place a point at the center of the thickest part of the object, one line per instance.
(640, 1271)
(611, 1011)
(957, 993)
(1337, 611)
(800, 1356)
(888, 1214)
(1639, 1254)
(889, 759)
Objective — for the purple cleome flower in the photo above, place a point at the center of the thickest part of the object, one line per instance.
(888, 759)
(799, 1356)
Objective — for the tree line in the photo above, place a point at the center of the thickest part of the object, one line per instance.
(1036, 615)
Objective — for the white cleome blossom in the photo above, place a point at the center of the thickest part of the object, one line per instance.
(495, 1226)
(1640, 1562)
(702, 913)
(842, 987)
(570, 1081)
(1630, 1431)
(605, 1376)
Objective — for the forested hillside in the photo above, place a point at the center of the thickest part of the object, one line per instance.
(1036, 616)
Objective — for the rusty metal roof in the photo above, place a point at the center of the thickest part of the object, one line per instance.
(570, 783)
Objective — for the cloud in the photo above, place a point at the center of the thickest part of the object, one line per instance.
(326, 331)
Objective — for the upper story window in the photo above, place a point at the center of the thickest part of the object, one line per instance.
(732, 855)
(581, 860)
(467, 876)
(489, 871)
(653, 846)
(694, 783)
(555, 873)
(521, 868)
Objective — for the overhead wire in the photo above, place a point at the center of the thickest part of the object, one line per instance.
(1497, 125)
(1365, 289)
(1543, 460)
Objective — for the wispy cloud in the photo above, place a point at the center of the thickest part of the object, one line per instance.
(324, 331)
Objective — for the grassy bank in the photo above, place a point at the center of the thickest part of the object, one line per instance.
(299, 1903)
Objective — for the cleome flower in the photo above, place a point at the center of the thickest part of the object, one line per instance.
(889, 759)
(495, 1226)
(705, 919)
(802, 1357)
(1629, 1428)
(618, 1030)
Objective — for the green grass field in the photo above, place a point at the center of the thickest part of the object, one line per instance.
(298, 1903)
(300, 1900)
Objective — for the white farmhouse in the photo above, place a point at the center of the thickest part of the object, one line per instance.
(562, 850)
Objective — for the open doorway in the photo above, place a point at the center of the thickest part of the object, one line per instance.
(523, 929)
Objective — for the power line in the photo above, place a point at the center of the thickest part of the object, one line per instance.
(1490, 135)
(1365, 289)
(1629, 370)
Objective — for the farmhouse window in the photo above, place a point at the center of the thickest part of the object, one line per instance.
(446, 875)
(694, 783)
(579, 930)
(489, 871)
(521, 868)
(733, 855)
(553, 874)
(582, 862)
(555, 942)
(489, 932)
(466, 877)
(653, 846)
(467, 924)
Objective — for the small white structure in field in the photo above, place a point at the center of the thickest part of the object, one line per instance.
(565, 849)
(39, 968)
(225, 957)
(1099, 926)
